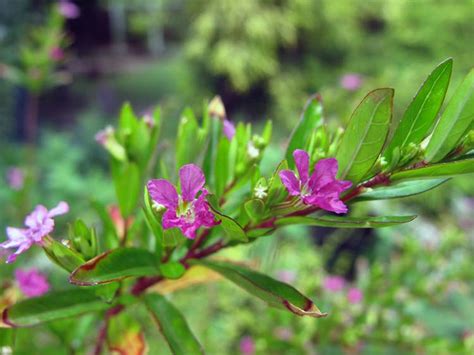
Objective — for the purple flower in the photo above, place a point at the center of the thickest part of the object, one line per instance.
(39, 224)
(15, 178)
(229, 129)
(69, 9)
(334, 283)
(56, 54)
(187, 211)
(32, 283)
(351, 81)
(354, 295)
(247, 345)
(321, 189)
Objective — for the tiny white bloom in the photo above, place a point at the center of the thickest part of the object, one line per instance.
(260, 191)
(252, 151)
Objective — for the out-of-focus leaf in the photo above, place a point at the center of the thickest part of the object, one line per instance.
(222, 162)
(267, 132)
(210, 155)
(115, 265)
(276, 190)
(127, 120)
(62, 255)
(54, 305)
(311, 118)
(454, 122)
(109, 231)
(275, 293)
(231, 227)
(153, 224)
(365, 135)
(125, 335)
(402, 189)
(442, 170)
(127, 186)
(187, 139)
(346, 222)
(172, 270)
(255, 209)
(7, 337)
(172, 325)
(422, 111)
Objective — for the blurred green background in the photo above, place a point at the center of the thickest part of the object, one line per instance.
(264, 58)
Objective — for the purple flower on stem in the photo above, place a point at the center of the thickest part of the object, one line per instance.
(321, 189)
(39, 224)
(69, 9)
(229, 129)
(354, 295)
(247, 345)
(15, 178)
(187, 211)
(334, 283)
(351, 81)
(32, 283)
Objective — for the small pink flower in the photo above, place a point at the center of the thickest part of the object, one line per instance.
(187, 211)
(287, 276)
(229, 129)
(247, 345)
(103, 135)
(321, 189)
(351, 81)
(15, 178)
(39, 224)
(334, 283)
(56, 54)
(69, 9)
(354, 295)
(32, 283)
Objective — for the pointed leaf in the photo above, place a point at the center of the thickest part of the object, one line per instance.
(421, 114)
(127, 186)
(172, 270)
(54, 305)
(346, 222)
(365, 135)
(187, 139)
(222, 163)
(442, 170)
(454, 122)
(172, 325)
(275, 293)
(231, 227)
(115, 265)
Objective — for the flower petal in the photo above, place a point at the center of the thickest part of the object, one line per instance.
(229, 129)
(36, 218)
(60, 209)
(17, 235)
(163, 192)
(290, 181)
(192, 180)
(302, 164)
(324, 173)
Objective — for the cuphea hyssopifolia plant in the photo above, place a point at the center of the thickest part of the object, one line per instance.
(212, 195)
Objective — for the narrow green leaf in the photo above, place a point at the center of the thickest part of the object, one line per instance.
(187, 139)
(210, 155)
(127, 120)
(62, 255)
(231, 227)
(454, 122)
(115, 265)
(402, 189)
(442, 170)
(222, 162)
(275, 293)
(127, 186)
(421, 114)
(311, 118)
(172, 325)
(346, 222)
(110, 240)
(255, 209)
(365, 135)
(172, 270)
(52, 306)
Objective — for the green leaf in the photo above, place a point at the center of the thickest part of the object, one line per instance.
(454, 122)
(54, 305)
(255, 209)
(187, 139)
(210, 155)
(125, 335)
(231, 227)
(7, 337)
(127, 186)
(276, 190)
(110, 239)
(62, 255)
(172, 325)
(153, 223)
(421, 114)
(115, 265)
(127, 120)
(311, 118)
(402, 189)
(346, 222)
(172, 270)
(222, 162)
(275, 293)
(365, 135)
(442, 170)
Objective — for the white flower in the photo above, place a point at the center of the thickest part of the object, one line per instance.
(252, 151)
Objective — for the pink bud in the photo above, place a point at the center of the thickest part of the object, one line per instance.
(354, 295)
(334, 283)
(351, 81)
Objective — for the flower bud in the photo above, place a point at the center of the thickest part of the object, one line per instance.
(83, 239)
(216, 108)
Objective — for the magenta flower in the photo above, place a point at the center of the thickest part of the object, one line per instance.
(15, 178)
(56, 54)
(334, 283)
(32, 283)
(187, 211)
(354, 295)
(39, 224)
(351, 81)
(229, 129)
(247, 345)
(321, 189)
(69, 9)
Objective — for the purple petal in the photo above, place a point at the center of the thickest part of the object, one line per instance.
(17, 235)
(229, 129)
(36, 218)
(60, 209)
(302, 164)
(163, 192)
(192, 180)
(324, 173)
(290, 181)
(204, 216)
(170, 220)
